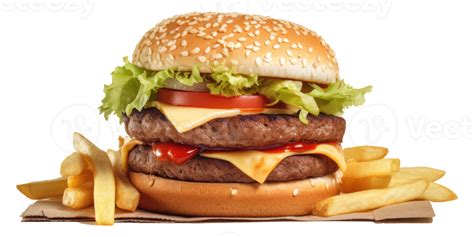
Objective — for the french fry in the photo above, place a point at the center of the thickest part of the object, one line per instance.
(435, 192)
(75, 181)
(370, 199)
(423, 172)
(384, 167)
(43, 189)
(126, 195)
(78, 198)
(438, 193)
(104, 180)
(365, 153)
(74, 164)
(350, 185)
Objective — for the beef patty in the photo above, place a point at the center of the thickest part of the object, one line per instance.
(201, 169)
(260, 130)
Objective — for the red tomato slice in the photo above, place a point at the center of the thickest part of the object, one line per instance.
(206, 100)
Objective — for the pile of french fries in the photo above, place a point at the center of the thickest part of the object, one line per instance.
(90, 177)
(372, 181)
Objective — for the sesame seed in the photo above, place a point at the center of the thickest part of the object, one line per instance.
(215, 46)
(229, 21)
(247, 53)
(282, 61)
(234, 61)
(207, 25)
(267, 42)
(184, 53)
(234, 191)
(255, 49)
(195, 50)
(217, 56)
(225, 51)
(289, 53)
(276, 46)
(268, 55)
(310, 49)
(208, 37)
(214, 34)
(318, 59)
(173, 47)
(286, 40)
(272, 37)
(300, 46)
(193, 31)
(242, 39)
(312, 182)
(202, 59)
(258, 60)
(257, 43)
(280, 40)
(251, 34)
(257, 32)
(293, 61)
(304, 62)
(294, 46)
(184, 43)
(238, 45)
(296, 191)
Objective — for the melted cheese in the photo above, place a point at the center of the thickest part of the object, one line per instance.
(125, 150)
(258, 165)
(187, 118)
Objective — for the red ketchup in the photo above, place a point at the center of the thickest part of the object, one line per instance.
(173, 152)
(292, 147)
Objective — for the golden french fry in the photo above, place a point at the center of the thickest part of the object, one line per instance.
(365, 153)
(104, 180)
(370, 199)
(438, 193)
(126, 195)
(43, 189)
(401, 178)
(384, 167)
(74, 164)
(350, 185)
(75, 181)
(78, 198)
(423, 172)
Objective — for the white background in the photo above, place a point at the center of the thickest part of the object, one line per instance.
(55, 56)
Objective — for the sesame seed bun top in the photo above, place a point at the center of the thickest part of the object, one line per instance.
(248, 43)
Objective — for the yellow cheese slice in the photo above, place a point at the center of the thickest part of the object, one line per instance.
(258, 164)
(186, 118)
(125, 150)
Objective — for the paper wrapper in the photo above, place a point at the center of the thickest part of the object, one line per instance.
(53, 210)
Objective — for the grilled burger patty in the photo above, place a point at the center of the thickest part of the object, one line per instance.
(260, 130)
(202, 169)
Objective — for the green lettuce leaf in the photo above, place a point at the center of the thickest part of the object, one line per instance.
(289, 92)
(132, 87)
(228, 83)
(337, 97)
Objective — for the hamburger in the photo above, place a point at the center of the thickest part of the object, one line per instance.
(231, 115)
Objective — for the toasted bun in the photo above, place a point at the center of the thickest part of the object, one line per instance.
(232, 199)
(250, 44)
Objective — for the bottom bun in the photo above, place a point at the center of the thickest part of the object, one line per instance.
(176, 197)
